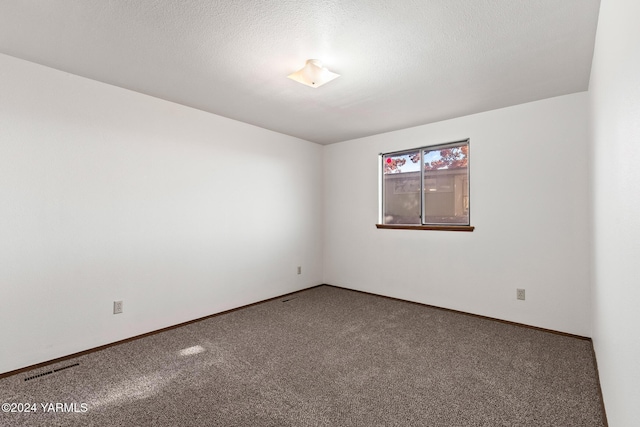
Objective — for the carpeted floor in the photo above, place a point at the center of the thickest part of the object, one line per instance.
(322, 357)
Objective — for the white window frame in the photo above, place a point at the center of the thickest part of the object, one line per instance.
(424, 225)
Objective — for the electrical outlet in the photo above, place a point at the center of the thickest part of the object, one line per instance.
(117, 307)
(520, 294)
(299, 270)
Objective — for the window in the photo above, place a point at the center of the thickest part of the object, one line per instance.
(426, 188)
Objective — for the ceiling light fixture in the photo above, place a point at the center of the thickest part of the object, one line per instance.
(313, 74)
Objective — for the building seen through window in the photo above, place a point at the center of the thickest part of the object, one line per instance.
(427, 185)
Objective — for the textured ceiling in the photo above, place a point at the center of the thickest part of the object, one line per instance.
(403, 63)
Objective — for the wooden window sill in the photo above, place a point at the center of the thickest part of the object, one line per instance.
(427, 227)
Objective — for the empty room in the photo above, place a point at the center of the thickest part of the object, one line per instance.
(319, 213)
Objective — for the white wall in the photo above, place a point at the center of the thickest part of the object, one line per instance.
(107, 194)
(615, 118)
(529, 204)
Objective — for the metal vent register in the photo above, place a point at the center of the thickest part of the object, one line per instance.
(51, 372)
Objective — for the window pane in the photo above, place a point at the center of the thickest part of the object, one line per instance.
(401, 188)
(446, 185)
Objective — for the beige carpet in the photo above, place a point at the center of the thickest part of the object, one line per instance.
(322, 357)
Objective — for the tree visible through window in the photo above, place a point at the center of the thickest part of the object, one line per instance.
(426, 185)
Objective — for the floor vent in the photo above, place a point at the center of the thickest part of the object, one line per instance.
(51, 372)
